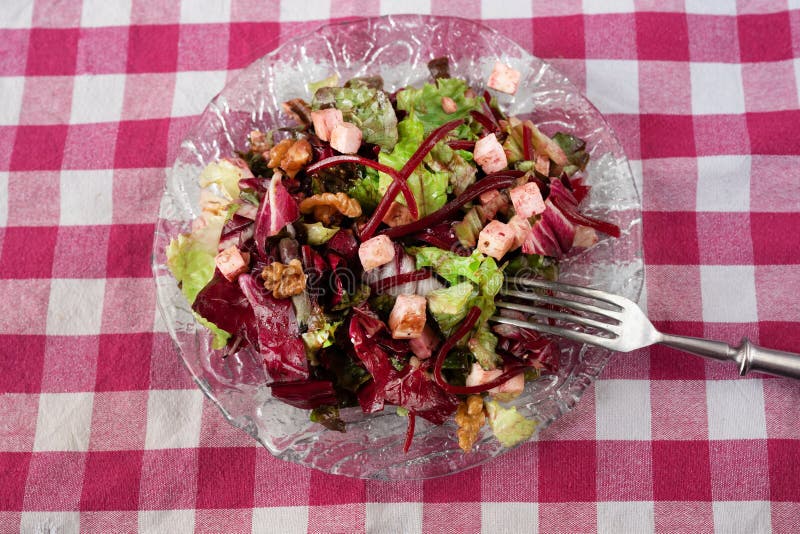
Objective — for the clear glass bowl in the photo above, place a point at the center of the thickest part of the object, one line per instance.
(397, 48)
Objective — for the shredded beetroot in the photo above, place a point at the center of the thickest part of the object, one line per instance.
(487, 99)
(497, 180)
(571, 213)
(426, 146)
(461, 145)
(527, 153)
(466, 325)
(399, 279)
(380, 167)
(402, 175)
(487, 123)
(412, 422)
(336, 160)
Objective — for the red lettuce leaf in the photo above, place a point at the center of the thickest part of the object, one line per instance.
(279, 341)
(306, 395)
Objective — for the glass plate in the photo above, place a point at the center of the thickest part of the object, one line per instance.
(397, 48)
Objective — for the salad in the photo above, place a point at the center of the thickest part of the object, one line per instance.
(358, 250)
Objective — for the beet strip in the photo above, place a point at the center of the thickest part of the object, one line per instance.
(496, 180)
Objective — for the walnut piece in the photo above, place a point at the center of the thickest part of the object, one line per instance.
(290, 155)
(469, 418)
(284, 280)
(259, 141)
(325, 205)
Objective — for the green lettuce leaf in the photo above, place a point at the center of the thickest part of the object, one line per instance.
(318, 234)
(482, 345)
(330, 81)
(426, 104)
(367, 190)
(428, 186)
(477, 267)
(457, 164)
(449, 305)
(575, 150)
(225, 176)
(508, 425)
(321, 337)
(221, 337)
(364, 106)
(190, 257)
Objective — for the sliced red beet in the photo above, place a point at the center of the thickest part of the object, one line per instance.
(380, 167)
(487, 123)
(402, 175)
(497, 180)
(466, 325)
(527, 145)
(412, 419)
(399, 279)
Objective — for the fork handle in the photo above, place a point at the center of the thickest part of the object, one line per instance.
(748, 357)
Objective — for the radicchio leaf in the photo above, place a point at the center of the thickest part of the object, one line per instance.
(279, 339)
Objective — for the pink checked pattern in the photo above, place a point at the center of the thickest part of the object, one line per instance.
(101, 429)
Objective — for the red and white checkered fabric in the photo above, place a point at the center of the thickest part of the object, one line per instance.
(101, 429)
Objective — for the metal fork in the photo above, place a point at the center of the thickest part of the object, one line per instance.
(620, 325)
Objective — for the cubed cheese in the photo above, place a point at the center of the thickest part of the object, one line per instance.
(424, 345)
(325, 120)
(527, 200)
(496, 239)
(375, 252)
(231, 262)
(504, 78)
(493, 201)
(585, 237)
(397, 215)
(489, 154)
(346, 138)
(407, 320)
(521, 228)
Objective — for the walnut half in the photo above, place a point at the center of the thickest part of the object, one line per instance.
(290, 155)
(470, 419)
(325, 205)
(284, 280)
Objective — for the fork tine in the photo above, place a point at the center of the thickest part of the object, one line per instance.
(573, 304)
(578, 319)
(608, 298)
(581, 337)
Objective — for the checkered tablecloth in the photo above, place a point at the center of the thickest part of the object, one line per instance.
(101, 429)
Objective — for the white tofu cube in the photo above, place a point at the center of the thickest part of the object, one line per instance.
(522, 229)
(424, 345)
(527, 200)
(231, 263)
(496, 239)
(489, 154)
(375, 252)
(504, 78)
(407, 320)
(325, 120)
(346, 138)
(493, 201)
